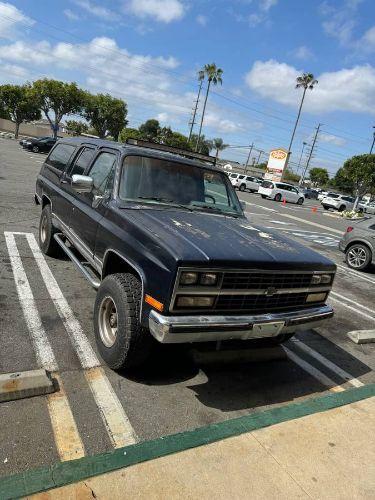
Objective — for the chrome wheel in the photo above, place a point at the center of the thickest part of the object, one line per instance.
(108, 321)
(357, 256)
(43, 229)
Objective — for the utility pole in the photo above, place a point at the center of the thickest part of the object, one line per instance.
(310, 154)
(248, 158)
(260, 154)
(373, 142)
(192, 123)
(300, 158)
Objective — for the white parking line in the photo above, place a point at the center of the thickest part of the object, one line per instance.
(115, 420)
(353, 302)
(314, 372)
(67, 438)
(324, 361)
(347, 306)
(353, 272)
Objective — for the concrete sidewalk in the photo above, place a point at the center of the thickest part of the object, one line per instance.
(321, 448)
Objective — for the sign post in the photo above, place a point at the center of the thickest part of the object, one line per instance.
(276, 164)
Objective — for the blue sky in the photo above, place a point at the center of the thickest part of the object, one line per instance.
(148, 52)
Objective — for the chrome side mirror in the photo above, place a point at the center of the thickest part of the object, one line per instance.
(243, 205)
(82, 183)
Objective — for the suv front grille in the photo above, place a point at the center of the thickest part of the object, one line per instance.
(259, 281)
(260, 303)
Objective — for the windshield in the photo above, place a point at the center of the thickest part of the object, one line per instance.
(151, 180)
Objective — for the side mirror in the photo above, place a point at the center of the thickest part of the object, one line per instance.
(82, 183)
(243, 205)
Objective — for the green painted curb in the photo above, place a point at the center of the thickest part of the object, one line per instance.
(63, 473)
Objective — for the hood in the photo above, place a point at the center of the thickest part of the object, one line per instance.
(200, 237)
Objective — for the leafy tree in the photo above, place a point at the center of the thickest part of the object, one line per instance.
(360, 171)
(219, 145)
(214, 76)
(106, 114)
(57, 99)
(76, 127)
(150, 130)
(18, 103)
(128, 133)
(290, 176)
(204, 146)
(180, 141)
(319, 176)
(262, 166)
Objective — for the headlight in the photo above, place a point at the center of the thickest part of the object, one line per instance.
(208, 279)
(194, 301)
(323, 279)
(188, 278)
(316, 297)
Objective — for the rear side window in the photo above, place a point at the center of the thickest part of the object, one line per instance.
(60, 156)
(83, 161)
(267, 184)
(250, 179)
(241, 176)
(283, 186)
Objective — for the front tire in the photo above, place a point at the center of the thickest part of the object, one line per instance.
(122, 341)
(342, 208)
(325, 207)
(243, 187)
(47, 243)
(35, 149)
(278, 197)
(264, 196)
(300, 201)
(358, 256)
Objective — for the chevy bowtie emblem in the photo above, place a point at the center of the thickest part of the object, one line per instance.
(270, 291)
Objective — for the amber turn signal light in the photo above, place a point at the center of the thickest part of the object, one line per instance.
(154, 303)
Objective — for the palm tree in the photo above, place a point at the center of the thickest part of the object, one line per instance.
(219, 145)
(200, 80)
(213, 74)
(306, 81)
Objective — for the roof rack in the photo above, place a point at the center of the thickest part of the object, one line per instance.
(170, 149)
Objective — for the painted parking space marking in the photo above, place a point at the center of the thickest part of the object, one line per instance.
(113, 415)
(361, 306)
(353, 272)
(356, 310)
(312, 236)
(67, 439)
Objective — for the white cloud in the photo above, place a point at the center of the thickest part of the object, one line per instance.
(72, 16)
(97, 10)
(10, 72)
(214, 119)
(344, 90)
(255, 19)
(265, 5)
(303, 53)
(163, 117)
(164, 11)
(341, 21)
(332, 139)
(10, 18)
(202, 20)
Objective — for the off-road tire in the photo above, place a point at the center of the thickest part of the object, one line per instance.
(133, 343)
(367, 253)
(35, 149)
(278, 197)
(47, 243)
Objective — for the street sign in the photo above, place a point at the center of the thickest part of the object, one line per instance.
(276, 164)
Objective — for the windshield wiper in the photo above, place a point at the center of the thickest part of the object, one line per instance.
(171, 203)
(213, 208)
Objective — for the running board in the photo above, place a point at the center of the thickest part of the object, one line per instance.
(94, 282)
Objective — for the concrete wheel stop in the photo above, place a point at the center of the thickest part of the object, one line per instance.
(362, 336)
(19, 385)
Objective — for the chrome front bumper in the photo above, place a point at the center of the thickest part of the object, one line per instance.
(181, 329)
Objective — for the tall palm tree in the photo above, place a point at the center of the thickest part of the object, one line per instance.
(213, 74)
(305, 81)
(200, 80)
(219, 145)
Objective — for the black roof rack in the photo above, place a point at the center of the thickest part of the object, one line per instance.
(171, 149)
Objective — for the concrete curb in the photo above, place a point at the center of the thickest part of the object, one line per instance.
(362, 336)
(21, 385)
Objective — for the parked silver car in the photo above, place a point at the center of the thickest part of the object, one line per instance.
(358, 244)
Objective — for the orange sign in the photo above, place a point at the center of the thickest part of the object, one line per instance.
(278, 154)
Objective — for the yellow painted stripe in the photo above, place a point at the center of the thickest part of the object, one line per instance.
(114, 417)
(67, 438)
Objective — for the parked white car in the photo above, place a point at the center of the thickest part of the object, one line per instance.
(368, 207)
(245, 182)
(280, 191)
(338, 202)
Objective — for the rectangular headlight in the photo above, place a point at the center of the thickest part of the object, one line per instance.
(194, 301)
(326, 278)
(208, 279)
(316, 297)
(188, 278)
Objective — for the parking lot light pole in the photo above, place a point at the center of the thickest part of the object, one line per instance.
(310, 154)
(304, 144)
(373, 142)
(248, 157)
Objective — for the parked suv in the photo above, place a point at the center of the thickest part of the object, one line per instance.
(163, 237)
(358, 244)
(246, 182)
(280, 191)
(338, 202)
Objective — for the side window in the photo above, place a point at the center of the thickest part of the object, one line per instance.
(103, 173)
(82, 161)
(241, 176)
(60, 156)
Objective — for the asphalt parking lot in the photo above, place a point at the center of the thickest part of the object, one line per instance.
(45, 300)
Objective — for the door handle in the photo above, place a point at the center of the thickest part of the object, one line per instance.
(63, 182)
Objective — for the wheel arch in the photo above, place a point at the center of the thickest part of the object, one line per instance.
(114, 262)
(361, 242)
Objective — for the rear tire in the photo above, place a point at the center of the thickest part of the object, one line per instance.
(358, 256)
(47, 243)
(278, 197)
(122, 341)
(342, 208)
(300, 201)
(243, 187)
(35, 149)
